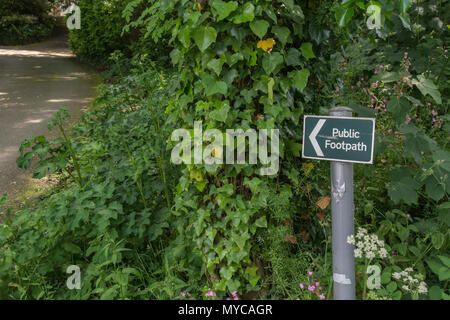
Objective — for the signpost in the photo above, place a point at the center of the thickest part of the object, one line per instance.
(343, 140)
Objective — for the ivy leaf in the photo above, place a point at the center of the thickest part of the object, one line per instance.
(184, 35)
(223, 9)
(271, 62)
(259, 27)
(294, 147)
(227, 272)
(266, 45)
(343, 15)
(216, 65)
(307, 51)
(204, 37)
(402, 186)
(300, 78)
(282, 33)
(212, 86)
(252, 184)
(293, 57)
(270, 85)
(247, 14)
(220, 114)
(426, 86)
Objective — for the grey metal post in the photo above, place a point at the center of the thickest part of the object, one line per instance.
(342, 212)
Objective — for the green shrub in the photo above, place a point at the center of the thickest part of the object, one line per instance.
(23, 22)
(115, 223)
(100, 33)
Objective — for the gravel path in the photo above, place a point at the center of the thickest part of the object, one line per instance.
(35, 81)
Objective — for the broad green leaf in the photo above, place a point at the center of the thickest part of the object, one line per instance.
(386, 77)
(259, 27)
(343, 15)
(391, 287)
(227, 272)
(402, 186)
(261, 222)
(385, 277)
(307, 51)
(399, 107)
(294, 147)
(213, 86)
(442, 159)
(445, 260)
(216, 65)
(426, 86)
(223, 9)
(252, 184)
(417, 142)
(281, 33)
(271, 62)
(293, 57)
(300, 78)
(288, 3)
(247, 14)
(347, 3)
(184, 35)
(220, 114)
(204, 37)
(437, 239)
(71, 248)
(406, 21)
(404, 5)
(435, 293)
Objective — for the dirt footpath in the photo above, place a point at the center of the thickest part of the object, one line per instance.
(35, 81)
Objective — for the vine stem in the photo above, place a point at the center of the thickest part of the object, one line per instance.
(72, 153)
(139, 179)
(365, 280)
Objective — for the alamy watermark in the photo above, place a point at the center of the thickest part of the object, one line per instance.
(74, 281)
(235, 139)
(74, 20)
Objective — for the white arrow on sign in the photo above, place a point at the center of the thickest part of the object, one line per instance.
(314, 133)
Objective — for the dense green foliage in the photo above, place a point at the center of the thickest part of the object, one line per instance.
(141, 227)
(24, 21)
(100, 33)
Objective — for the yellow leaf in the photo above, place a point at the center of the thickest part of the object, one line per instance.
(197, 175)
(307, 167)
(323, 203)
(200, 4)
(267, 44)
(12, 284)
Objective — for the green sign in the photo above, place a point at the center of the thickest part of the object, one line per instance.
(343, 139)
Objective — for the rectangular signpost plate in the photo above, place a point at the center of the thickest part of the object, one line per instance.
(345, 139)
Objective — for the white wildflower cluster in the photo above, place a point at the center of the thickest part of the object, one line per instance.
(411, 283)
(367, 245)
(371, 295)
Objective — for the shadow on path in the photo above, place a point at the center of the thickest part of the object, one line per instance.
(35, 81)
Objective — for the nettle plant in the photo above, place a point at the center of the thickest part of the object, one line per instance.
(243, 64)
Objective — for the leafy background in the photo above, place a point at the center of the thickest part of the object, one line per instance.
(142, 228)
